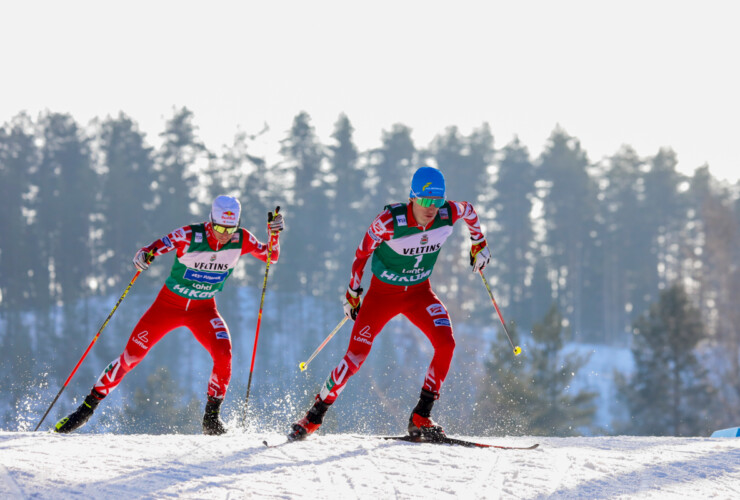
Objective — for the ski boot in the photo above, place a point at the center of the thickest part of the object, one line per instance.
(81, 415)
(312, 421)
(212, 423)
(420, 425)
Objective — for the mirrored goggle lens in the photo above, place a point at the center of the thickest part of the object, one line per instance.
(428, 202)
(224, 229)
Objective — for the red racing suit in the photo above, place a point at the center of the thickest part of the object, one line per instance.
(171, 309)
(385, 300)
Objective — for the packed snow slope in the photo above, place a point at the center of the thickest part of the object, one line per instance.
(44, 465)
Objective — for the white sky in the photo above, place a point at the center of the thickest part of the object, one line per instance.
(644, 73)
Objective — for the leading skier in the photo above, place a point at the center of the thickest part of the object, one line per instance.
(206, 256)
(404, 241)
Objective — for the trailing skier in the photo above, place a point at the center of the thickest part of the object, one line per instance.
(206, 255)
(404, 241)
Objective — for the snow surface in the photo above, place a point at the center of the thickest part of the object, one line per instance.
(45, 465)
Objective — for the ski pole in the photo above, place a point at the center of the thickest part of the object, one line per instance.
(95, 339)
(517, 349)
(259, 315)
(304, 364)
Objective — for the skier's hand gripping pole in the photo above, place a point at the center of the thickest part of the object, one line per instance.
(95, 339)
(304, 364)
(271, 216)
(517, 349)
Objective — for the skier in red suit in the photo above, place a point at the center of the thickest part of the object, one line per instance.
(404, 241)
(206, 255)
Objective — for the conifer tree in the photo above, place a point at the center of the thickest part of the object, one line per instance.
(669, 393)
(512, 237)
(350, 202)
(619, 211)
(19, 157)
(306, 246)
(393, 163)
(177, 164)
(532, 393)
(569, 208)
(66, 208)
(126, 200)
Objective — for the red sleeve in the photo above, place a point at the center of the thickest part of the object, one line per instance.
(465, 211)
(380, 230)
(179, 240)
(258, 249)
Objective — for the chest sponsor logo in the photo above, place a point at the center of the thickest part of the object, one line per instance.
(387, 276)
(193, 294)
(444, 213)
(210, 266)
(424, 239)
(401, 220)
(199, 237)
(436, 310)
(204, 276)
(420, 250)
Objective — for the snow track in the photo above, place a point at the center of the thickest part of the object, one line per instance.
(44, 465)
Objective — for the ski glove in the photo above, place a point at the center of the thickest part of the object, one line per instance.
(480, 255)
(351, 302)
(143, 258)
(275, 222)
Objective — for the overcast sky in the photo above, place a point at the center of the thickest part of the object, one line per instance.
(645, 73)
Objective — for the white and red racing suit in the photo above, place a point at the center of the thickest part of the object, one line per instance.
(201, 267)
(404, 254)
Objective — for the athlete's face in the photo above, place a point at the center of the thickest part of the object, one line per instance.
(423, 215)
(222, 237)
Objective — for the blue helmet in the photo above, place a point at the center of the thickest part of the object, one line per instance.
(427, 181)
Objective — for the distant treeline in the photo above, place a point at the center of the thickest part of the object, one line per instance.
(593, 242)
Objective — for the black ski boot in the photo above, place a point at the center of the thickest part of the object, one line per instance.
(312, 421)
(420, 425)
(212, 423)
(81, 415)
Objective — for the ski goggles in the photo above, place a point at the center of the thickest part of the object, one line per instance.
(223, 229)
(428, 202)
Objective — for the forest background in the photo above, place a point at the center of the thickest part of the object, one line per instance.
(620, 257)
